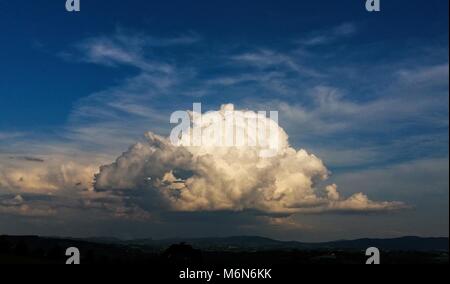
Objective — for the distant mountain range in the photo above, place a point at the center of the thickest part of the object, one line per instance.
(219, 252)
(260, 243)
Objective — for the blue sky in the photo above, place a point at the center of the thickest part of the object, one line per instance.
(34, 32)
(365, 92)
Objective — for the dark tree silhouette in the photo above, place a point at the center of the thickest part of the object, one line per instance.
(5, 246)
(182, 254)
(22, 249)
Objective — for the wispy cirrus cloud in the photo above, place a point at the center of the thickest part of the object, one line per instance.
(10, 135)
(329, 36)
(266, 59)
(115, 51)
(435, 75)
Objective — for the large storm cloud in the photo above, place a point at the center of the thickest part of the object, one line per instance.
(157, 174)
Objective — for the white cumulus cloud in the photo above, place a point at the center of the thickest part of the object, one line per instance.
(157, 173)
